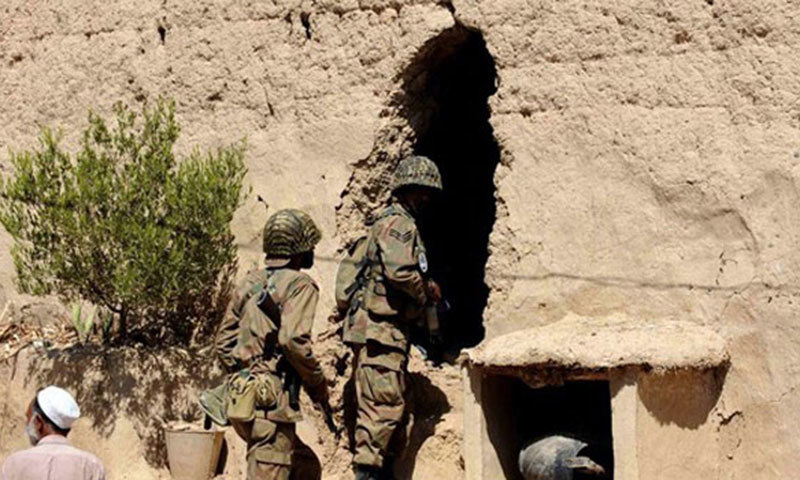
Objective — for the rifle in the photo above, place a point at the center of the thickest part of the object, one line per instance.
(327, 412)
(292, 384)
(427, 337)
(291, 380)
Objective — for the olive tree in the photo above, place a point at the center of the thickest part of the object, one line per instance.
(124, 223)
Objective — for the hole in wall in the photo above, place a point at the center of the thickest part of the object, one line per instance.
(305, 19)
(518, 415)
(440, 109)
(457, 136)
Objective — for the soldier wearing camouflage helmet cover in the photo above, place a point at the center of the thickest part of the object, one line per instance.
(396, 295)
(259, 348)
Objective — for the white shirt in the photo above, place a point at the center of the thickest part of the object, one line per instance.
(53, 458)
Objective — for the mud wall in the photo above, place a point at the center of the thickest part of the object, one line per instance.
(648, 160)
(650, 167)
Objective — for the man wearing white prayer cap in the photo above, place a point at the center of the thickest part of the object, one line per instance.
(50, 417)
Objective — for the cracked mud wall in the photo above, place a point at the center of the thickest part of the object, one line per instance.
(653, 161)
(649, 157)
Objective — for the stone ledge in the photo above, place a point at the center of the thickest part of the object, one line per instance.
(589, 346)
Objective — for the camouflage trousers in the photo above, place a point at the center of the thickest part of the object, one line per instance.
(269, 447)
(380, 395)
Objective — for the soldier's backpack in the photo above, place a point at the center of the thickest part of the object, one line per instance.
(242, 392)
(227, 334)
(351, 284)
(351, 281)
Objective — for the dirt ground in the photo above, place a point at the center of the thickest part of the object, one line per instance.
(128, 394)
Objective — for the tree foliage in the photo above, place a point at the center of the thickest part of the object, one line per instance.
(124, 223)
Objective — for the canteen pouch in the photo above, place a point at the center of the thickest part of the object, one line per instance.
(241, 404)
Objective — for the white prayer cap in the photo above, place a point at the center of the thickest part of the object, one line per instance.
(59, 406)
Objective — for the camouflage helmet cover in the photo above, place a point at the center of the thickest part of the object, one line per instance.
(417, 170)
(290, 232)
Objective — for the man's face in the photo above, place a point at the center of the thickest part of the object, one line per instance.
(33, 426)
(307, 260)
(425, 198)
(419, 198)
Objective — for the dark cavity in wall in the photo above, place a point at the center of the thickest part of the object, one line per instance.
(305, 19)
(447, 88)
(518, 415)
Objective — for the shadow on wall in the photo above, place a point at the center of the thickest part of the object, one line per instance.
(426, 406)
(446, 91)
(149, 387)
(684, 398)
(495, 397)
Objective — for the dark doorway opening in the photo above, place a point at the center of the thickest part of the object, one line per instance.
(518, 415)
(580, 410)
(458, 76)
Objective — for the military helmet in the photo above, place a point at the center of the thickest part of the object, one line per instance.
(417, 170)
(290, 232)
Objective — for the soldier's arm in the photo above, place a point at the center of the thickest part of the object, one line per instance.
(297, 318)
(397, 242)
(228, 331)
(225, 340)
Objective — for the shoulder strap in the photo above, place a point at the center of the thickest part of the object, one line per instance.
(387, 212)
(267, 303)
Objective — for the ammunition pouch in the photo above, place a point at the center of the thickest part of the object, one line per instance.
(248, 392)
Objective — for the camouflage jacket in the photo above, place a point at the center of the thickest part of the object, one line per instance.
(249, 338)
(395, 294)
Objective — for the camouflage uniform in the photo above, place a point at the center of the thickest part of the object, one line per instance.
(250, 343)
(395, 299)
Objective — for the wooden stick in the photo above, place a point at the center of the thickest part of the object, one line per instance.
(5, 310)
(5, 330)
(14, 353)
(10, 324)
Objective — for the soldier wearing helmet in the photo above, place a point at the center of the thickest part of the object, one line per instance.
(396, 295)
(261, 346)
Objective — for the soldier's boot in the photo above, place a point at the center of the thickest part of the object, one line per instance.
(366, 472)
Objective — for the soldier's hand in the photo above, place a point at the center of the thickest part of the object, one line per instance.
(336, 315)
(434, 291)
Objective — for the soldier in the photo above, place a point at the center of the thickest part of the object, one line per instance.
(396, 296)
(266, 341)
